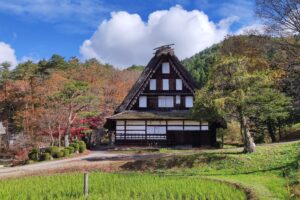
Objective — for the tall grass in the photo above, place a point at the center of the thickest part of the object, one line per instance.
(117, 187)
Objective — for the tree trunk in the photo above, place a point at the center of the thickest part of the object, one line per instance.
(249, 145)
(59, 136)
(271, 131)
(66, 140)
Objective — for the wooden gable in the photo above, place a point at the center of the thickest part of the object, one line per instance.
(154, 71)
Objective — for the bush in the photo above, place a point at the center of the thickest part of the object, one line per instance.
(76, 146)
(71, 149)
(28, 162)
(81, 143)
(53, 151)
(82, 146)
(66, 152)
(45, 156)
(34, 154)
(58, 154)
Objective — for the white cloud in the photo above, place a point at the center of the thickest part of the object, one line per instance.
(7, 54)
(125, 39)
(66, 14)
(253, 28)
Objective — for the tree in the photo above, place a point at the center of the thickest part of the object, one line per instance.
(227, 96)
(237, 90)
(75, 98)
(281, 16)
(5, 109)
(271, 109)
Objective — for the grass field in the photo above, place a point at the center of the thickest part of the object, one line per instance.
(272, 172)
(117, 187)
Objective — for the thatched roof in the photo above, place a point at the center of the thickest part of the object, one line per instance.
(161, 54)
(158, 115)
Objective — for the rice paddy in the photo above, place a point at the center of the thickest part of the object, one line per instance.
(104, 186)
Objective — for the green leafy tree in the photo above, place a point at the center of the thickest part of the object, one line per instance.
(270, 108)
(75, 97)
(236, 91)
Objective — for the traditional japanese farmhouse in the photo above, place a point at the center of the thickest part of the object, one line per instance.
(157, 108)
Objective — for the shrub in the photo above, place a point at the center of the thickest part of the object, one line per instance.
(28, 162)
(58, 154)
(71, 149)
(76, 146)
(61, 153)
(45, 156)
(34, 154)
(52, 151)
(82, 146)
(81, 143)
(66, 152)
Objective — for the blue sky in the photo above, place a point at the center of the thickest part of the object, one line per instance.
(36, 29)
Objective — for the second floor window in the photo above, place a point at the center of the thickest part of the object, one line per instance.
(166, 68)
(143, 102)
(165, 84)
(188, 101)
(165, 102)
(152, 84)
(177, 99)
(178, 84)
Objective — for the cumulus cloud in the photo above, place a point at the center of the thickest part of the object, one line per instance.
(7, 54)
(125, 39)
(253, 28)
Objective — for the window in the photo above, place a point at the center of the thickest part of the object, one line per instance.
(188, 101)
(152, 84)
(165, 102)
(156, 129)
(165, 84)
(178, 84)
(166, 68)
(177, 99)
(143, 102)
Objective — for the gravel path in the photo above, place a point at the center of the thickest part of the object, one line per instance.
(95, 160)
(102, 160)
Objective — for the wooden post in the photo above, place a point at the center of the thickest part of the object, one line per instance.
(86, 185)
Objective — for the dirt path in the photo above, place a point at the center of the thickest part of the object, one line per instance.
(96, 160)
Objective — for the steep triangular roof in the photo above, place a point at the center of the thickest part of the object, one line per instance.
(149, 70)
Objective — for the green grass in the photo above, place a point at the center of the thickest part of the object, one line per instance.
(117, 186)
(268, 172)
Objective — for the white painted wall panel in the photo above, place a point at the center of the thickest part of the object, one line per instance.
(120, 132)
(187, 122)
(175, 128)
(120, 128)
(192, 128)
(135, 127)
(119, 122)
(135, 122)
(175, 122)
(156, 122)
(135, 132)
